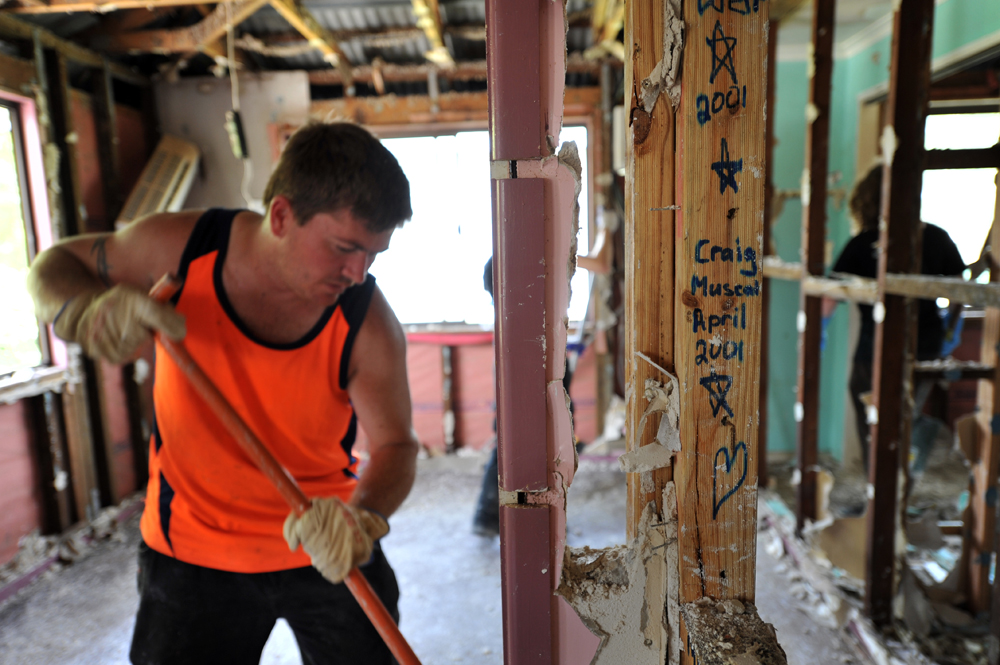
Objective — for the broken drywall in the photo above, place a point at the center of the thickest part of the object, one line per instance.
(730, 632)
(627, 596)
(665, 76)
(663, 399)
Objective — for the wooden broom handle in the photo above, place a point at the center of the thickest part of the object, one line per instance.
(162, 291)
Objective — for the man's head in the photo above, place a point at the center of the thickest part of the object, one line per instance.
(327, 167)
(866, 199)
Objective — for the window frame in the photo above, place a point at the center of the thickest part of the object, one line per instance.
(34, 204)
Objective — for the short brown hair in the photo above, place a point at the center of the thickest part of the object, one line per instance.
(866, 199)
(332, 166)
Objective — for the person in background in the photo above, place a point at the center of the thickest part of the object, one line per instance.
(859, 257)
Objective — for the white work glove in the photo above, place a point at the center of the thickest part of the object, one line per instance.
(336, 536)
(113, 324)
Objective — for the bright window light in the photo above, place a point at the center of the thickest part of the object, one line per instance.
(19, 347)
(433, 269)
(961, 201)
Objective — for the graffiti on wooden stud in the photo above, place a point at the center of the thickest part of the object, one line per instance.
(728, 460)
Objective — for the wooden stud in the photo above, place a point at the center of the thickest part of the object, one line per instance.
(981, 540)
(718, 266)
(906, 109)
(983, 158)
(817, 150)
(649, 246)
(107, 145)
(765, 296)
(49, 446)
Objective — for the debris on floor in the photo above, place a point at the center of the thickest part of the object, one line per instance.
(38, 554)
(730, 633)
(930, 618)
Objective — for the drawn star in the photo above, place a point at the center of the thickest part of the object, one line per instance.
(726, 59)
(727, 169)
(717, 394)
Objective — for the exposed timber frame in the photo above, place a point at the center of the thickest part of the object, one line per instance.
(814, 179)
(17, 29)
(306, 24)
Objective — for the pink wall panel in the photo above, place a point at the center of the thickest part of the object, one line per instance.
(20, 500)
(133, 148)
(426, 374)
(472, 372)
(583, 390)
(88, 162)
(119, 430)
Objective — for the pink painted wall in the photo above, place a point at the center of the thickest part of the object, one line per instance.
(20, 497)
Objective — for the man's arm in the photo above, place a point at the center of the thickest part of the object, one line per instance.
(380, 394)
(93, 288)
(137, 255)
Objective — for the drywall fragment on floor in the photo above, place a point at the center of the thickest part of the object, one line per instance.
(730, 633)
(622, 593)
(842, 543)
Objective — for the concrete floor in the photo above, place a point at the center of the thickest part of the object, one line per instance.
(450, 580)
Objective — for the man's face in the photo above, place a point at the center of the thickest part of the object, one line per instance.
(330, 253)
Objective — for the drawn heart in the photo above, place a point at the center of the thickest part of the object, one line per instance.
(724, 451)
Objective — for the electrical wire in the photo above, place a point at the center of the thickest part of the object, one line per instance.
(234, 85)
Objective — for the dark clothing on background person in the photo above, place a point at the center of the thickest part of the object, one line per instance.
(859, 257)
(939, 257)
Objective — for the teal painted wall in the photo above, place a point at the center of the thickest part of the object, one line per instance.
(958, 23)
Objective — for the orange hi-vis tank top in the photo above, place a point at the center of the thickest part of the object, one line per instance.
(207, 503)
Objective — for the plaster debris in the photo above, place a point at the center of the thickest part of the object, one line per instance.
(665, 77)
(664, 399)
(627, 595)
(719, 635)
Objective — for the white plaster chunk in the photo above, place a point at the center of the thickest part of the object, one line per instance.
(878, 312)
(621, 593)
(889, 144)
(812, 113)
(665, 76)
(663, 399)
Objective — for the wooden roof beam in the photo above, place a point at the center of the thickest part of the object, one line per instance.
(181, 40)
(99, 6)
(463, 71)
(302, 20)
(14, 28)
(429, 20)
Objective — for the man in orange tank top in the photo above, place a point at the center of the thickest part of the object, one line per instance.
(281, 313)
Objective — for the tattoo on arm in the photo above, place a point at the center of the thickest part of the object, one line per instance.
(102, 260)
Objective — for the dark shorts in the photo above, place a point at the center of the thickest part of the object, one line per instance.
(190, 615)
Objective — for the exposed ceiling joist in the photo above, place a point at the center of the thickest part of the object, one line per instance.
(14, 28)
(99, 6)
(181, 40)
(302, 20)
(429, 20)
(462, 71)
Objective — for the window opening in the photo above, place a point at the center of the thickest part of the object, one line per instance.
(20, 346)
(961, 201)
(433, 269)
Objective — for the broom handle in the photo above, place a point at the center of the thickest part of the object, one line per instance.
(165, 289)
